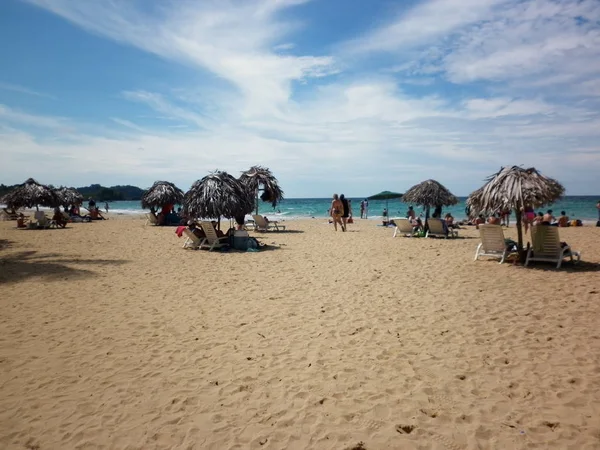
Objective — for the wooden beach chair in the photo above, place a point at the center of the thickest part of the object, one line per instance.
(545, 246)
(260, 224)
(492, 242)
(436, 228)
(212, 241)
(403, 227)
(191, 240)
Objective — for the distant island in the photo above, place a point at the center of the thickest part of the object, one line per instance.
(97, 192)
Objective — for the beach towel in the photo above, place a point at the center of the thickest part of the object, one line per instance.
(179, 230)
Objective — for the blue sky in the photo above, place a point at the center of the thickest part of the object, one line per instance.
(332, 95)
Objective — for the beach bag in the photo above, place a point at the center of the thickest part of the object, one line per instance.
(511, 245)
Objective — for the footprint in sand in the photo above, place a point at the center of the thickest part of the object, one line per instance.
(448, 443)
(369, 423)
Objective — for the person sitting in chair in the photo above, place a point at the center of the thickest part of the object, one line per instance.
(59, 218)
(21, 221)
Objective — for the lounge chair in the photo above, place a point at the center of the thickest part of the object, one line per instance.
(5, 214)
(437, 229)
(403, 227)
(212, 241)
(43, 221)
(192, 241)
(545, 246)
(151, 220)
(260, 224)
(492, 243)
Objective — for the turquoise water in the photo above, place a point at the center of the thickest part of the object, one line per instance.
(576, 207)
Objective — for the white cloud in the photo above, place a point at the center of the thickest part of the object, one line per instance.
(23, 90)
(13, 116)
(367, 124)
(233, 40)
(423, 24)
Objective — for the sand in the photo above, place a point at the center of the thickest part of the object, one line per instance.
(114, 337)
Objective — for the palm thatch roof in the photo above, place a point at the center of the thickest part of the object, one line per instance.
(429, 193)
(68, 196)
(162, 193)
(30, 194)
(513, 188)
(258, 177)
(217, 194)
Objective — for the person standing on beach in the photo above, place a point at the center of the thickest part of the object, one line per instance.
(106, 207)
(598, 207)
(362, 209)
(345, 212)
(336, 211)
(366, 208)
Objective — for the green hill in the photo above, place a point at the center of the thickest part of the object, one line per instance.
(98, 192)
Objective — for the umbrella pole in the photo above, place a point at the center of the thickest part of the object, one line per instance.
(520, 234)
(257, 202)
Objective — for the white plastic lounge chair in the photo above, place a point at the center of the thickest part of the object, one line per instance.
(260, 224)
(436, 228)
(545, 246)
(212, 241)
(151, 220)
(403, 227)
(191, 240)
(43, 221)
(492, 242)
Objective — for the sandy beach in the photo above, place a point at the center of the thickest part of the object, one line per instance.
(114, 337)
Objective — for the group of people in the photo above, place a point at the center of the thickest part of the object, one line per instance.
(530, 219)
(71, 213)
(168, 216)
(341, 211)
(199, 232)
(418, 226)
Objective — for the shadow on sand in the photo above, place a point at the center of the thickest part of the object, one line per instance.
(567, 266)
(49, 267)
(275, 232)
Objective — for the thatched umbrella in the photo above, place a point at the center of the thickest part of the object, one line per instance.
(429, 193)
(217, 194)
(259, 178)
(162, 193)
(68, 196)
(30, 194)
(515, 188)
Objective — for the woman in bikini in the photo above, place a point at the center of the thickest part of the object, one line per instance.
(528, 217)
(336, 211)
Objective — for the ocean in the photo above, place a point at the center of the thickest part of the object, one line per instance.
(576, 207)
